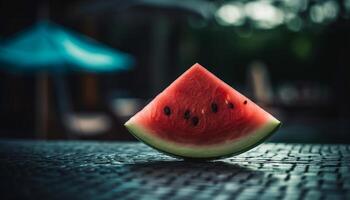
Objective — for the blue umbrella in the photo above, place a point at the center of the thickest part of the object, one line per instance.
(50, 47)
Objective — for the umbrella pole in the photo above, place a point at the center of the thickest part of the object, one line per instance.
(42, 107)
(65, 109)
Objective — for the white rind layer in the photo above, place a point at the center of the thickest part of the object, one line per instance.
(228, 148)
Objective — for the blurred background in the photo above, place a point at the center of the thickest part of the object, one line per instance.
(79, 69)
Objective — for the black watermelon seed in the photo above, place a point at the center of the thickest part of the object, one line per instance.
(167, 110)
(245, 102)
(214, 107)
(195, 121)
(187, 114)
(230, 105)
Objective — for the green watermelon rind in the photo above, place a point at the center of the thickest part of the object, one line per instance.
(208, 152)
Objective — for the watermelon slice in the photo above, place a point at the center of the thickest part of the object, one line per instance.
(200, 116)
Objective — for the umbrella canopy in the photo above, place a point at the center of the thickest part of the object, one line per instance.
(50, 47)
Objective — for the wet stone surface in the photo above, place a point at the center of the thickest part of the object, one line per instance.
(101, 170)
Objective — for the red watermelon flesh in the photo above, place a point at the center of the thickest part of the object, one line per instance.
(200, 116)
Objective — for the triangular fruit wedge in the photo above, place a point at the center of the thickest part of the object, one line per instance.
(200, 116)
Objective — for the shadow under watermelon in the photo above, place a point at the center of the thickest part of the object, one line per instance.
(195, 175)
